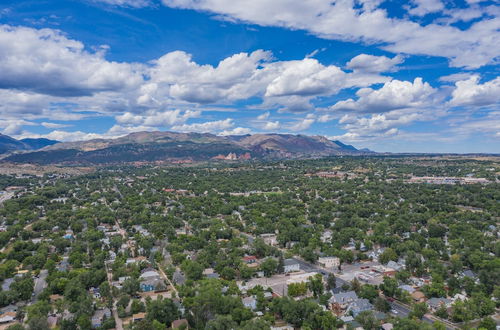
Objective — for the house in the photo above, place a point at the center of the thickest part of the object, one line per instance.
(435, 303)
(326, 236)
(7, 317)
(329, 262)
(358, 306)
(250, 302)
(395, 265)
(343, 298)
(178, 278)
(387, 326)
(99, 316)
(269, 239)
(180, 323)
(291, 265)
(7, 283)
(138, 317)
(418, 296)
(249, 259)
(151, 285)
(407, 288)
(95, 292)
(149, 274)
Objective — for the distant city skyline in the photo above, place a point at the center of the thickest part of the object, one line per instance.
(419, 76)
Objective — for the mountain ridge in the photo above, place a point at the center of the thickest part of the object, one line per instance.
(9, 144)
(164, 146)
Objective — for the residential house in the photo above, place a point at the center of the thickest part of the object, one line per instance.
(407, 288)
(138, 317)
(180, 324)
(435, 303)
(358, 306)
(7, 283)
(99, 316)
(269, 239)
(7, 317)
(418, 296)
(291, 265)
(250, 302)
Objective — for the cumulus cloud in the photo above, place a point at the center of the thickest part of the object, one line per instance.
(393, 95)
(472, 93)
(365, 21)
(302, 124)
(374, 64)
(47, 62)
(424, 7)
(206, 127)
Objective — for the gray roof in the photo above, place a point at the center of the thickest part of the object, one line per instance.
(344, 297)
(360, 305)
(436, 302)
(290, 262)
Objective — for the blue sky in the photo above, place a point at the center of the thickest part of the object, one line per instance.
(417, 76)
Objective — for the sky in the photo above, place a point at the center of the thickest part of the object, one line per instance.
(391, 76)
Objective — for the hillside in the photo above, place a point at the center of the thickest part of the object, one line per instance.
(174, 147)
(9, 144)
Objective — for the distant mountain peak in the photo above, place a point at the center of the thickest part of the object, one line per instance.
(176, 147)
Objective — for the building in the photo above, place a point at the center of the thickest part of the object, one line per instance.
(7, 317)
(99, 316)
(435, 303)
(269, 239)
(418, 296)
(138, 317)
(358, 306)
(250, 302)
(329, 262)
(291, 265)
(180, 323)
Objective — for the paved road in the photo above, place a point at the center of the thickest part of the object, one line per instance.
(40, 284)
(309, 267)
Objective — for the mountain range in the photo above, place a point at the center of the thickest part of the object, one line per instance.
(183, 147)
(9, 144)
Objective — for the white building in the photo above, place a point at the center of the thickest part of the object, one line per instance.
(329, 262)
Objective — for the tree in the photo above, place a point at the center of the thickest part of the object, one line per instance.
(162, 310)
(418, 311)
(442, 312)
(369, 292)
(315, 284)
(382, 305)
(297, 289)
(388, 255)
(268, 266)
(389, 286)
(221, 322)
(331, 281)
(487, 323)
(367, 320)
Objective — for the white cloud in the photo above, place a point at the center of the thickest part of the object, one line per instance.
(424, 7)
(472, 93)
(302, 124)
(374, 64)
(263, 116)
(393, 95)
(47, 62)
(236, 131)
(128, 3)
(206, 127)
(349, 21)
(54, 125)
(271, 126)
